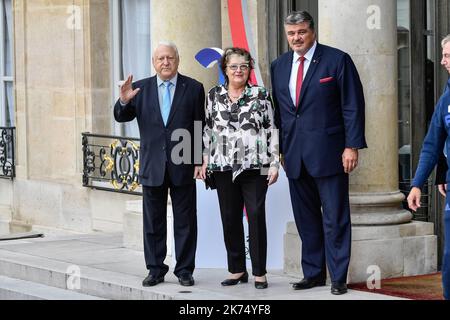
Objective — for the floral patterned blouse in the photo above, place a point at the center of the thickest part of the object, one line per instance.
(242, 135)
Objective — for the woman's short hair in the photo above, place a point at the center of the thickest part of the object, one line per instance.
(238, 52)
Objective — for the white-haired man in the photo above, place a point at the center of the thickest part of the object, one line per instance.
(163, 104)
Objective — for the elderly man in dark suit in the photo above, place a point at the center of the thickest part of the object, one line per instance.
(319, 111)
(163, 104)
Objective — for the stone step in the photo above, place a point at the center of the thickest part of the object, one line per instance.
(93, 281)
(22, 235)
(15, 289)
(98, 265)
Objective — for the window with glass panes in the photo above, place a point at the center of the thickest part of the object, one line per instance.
(6, 65)
(131, 50)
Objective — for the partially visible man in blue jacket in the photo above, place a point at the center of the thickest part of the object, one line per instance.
(434, 142)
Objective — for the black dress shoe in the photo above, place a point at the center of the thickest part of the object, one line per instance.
(261, 285)
(308, 283)
(338, 288)
(232, 282)
(152, 280)
(186, 280)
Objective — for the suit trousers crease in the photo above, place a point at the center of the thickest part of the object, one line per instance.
(184, 226)
(322, 215)
(249, 189)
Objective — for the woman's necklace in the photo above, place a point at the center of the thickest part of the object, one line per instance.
(235, 96)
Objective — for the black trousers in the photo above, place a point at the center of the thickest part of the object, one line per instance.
(249, 189)
(184, 207)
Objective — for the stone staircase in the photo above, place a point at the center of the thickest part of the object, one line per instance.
(15, 289)
(25, 273)
(98, 266)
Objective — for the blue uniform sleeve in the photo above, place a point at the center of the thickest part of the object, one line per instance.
(431, 148)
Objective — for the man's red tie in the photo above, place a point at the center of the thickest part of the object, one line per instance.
(299, 81)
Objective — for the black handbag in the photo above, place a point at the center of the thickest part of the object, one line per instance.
(210, 182)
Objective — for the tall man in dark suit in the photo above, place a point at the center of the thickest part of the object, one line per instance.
(320, 114)
(162, 104)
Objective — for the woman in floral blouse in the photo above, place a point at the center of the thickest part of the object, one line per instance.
(241, 149)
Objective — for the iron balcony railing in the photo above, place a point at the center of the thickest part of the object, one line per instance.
(7, 163)
(111, 163)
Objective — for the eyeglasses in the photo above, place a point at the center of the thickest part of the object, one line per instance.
(242, 67)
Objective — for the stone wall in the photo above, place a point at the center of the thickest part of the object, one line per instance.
(62, 88)
(5, 205)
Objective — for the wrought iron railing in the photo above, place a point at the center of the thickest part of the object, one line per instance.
(111, 163)
(7, 164)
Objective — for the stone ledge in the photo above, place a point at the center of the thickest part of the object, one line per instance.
(16, 289)
(118, 275)
(5, 218)
(133, 228)
(411, 229)
(95, 282)
(402, 250)
(19, 226)
(291, 228)
(134, 206)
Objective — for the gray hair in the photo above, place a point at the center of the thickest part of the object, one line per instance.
(445, 40)
(298, 17)
(168, 44)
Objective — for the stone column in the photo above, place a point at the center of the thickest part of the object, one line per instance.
(371, 41)
(192, 25)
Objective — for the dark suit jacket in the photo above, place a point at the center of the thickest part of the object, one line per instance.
(156, 146)
(330, 115)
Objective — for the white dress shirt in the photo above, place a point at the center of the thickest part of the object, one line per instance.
(295, 63)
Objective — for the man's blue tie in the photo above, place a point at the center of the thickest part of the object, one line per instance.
(165, 110)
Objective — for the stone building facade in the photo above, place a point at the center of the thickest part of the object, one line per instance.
(65, 82)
